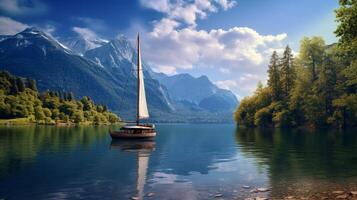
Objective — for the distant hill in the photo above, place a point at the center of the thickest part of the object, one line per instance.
(199, 91)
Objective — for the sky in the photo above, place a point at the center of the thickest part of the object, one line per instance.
(230, 41)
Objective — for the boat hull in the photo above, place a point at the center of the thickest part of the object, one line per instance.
(134, 132)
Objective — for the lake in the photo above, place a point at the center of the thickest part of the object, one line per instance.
(185, 161)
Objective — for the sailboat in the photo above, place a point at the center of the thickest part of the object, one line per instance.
(138, 130)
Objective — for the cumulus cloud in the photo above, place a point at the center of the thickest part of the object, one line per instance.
(245, 84)
(9, 26)
(188, 47)
(187, 12)
(226, 4)
(23, 7)
(237, 57)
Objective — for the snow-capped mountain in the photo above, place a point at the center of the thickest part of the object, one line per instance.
(33, 53)
(114, 54)
(81, 44)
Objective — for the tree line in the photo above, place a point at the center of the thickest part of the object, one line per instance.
(19, 98)
(316, 88)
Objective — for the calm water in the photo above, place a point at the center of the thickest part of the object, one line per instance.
(183, 162)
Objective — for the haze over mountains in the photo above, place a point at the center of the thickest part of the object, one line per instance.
(105, 71)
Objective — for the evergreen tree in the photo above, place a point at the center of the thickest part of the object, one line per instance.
(14, 89)
(311, 54)
(31, 84)
(326, 83)
(20, 84)
(287, 72)
(70, 96)
(273, 74)
(347, 32)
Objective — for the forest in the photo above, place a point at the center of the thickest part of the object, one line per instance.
(316, 88)
(20, 99)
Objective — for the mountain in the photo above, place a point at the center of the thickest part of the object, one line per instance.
(117, 57)
(32, 53)
(200, 91)
(107, 74)
(81, 44)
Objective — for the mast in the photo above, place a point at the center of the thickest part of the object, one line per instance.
(138, 80)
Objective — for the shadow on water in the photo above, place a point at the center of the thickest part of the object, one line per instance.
(303, 161)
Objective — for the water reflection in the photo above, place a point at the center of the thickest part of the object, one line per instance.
(303, 161)
(143, 149)
(185, 161)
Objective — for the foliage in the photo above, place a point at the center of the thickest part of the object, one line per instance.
(20, 99)
(318, 88)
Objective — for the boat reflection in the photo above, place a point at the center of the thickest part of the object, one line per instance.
(143, 149)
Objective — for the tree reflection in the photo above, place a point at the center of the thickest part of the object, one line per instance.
(19, 146)
(296, 156)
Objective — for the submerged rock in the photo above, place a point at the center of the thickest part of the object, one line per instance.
(246, 186)
(150, 194)
(263, 189)
(218, 195)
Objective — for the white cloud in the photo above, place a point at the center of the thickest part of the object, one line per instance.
(169, 70)
(224, 70)
(245, 84)
(23, 7)
(236, 58)
(188, 47)
(226, 84)
(9, 26)
(226, 4)
(97, 25)
(187, 11)
(85, 33)
(159, 5)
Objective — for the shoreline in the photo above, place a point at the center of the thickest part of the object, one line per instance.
(28, 122)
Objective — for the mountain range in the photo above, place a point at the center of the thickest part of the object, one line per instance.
(105, 71)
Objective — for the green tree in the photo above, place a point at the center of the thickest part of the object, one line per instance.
(311, 55)
(287, 72)
(274, 77)
(31, 84)
(20, 84)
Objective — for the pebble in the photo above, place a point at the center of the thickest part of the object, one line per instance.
(254, 191)
(260, 198)
(246, 186)
(218, 195)
(342, 196)
(354, 193)
(134, 198)
(150, 194)
(338, 192)
(263, 189)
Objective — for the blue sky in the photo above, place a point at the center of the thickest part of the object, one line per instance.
(230, 41)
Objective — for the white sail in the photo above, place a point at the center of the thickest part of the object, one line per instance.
(142, 105)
